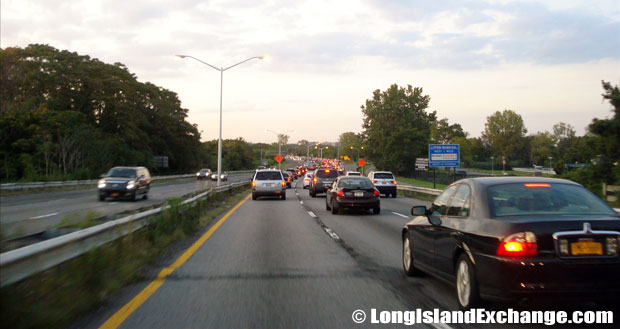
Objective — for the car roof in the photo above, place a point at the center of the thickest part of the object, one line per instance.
(382, 172)
(352, 177)
(123, 167)
(489, 181)
(268, 170)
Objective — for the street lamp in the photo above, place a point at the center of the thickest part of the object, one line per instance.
(222, 69)
(550, 166)
(358, 151)
(279, 145)
(492, 172)
(503, 164)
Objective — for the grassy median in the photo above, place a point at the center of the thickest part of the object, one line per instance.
(56, 297)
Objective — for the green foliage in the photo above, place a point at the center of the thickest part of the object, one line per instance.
(77, 117)
(397, 127)
(541, 148)
(504, 134)
(443, 132)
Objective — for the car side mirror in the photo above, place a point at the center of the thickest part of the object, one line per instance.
(434, 220)
(418, 211)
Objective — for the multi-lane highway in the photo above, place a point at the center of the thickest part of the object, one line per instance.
(271, 263)
(32, 213)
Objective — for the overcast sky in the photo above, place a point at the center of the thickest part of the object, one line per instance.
(543, 59)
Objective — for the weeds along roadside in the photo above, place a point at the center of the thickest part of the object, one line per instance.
(56, 297)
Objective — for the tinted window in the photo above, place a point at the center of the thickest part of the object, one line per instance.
(440, 205)
(122, 172)
(382, 175)
(355, 183)
(544, 199)
(459, 206)
(327, 174)
(268, 175)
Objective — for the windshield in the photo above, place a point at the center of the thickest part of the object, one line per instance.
(383, 175)
(268, 175)
(122, 172)
(544, 199)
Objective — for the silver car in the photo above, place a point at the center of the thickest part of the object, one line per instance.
(268, 182)
(384, 181)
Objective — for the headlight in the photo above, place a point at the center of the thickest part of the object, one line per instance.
(197, 174)
(101, 183)
(131, 185)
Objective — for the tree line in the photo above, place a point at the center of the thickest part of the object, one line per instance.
(397, 128)
(70, 116)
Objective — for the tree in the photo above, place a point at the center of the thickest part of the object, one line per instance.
(504, 133)
(442, 132)
(397, 127)
(350, 142)
(562, 131)
(541, 148)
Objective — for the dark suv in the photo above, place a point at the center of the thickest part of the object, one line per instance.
(321, 180)
(129, 182)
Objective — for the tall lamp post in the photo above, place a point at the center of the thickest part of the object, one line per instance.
(279, 145)
(550, 166)
(221, 69)
(492, 172)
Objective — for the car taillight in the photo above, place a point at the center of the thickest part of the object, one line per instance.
(253, 184)
(394, 182)
(374, 181)
(314, 180)
(283, 184)
(375, 193)
(340, 193)
(522, 244)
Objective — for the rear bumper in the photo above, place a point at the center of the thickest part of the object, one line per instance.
(258, 193)
(319, 188)
(554, 278)
(116, 193)
(358, 203)
(386, 189)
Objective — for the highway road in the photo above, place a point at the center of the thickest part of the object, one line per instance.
(33, 213)
(271, 263)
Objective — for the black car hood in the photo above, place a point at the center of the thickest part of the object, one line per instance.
(118, 179)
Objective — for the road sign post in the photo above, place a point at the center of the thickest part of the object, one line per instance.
(361, 163)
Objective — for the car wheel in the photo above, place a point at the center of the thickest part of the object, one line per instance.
(134, 196)
(283, 196)
(101, 197)
(335, 207)
(327, 204)
(408, 257)
(312, 194)
(145, 196)
(253, 196)
(467, 292)
(394, 195)
(376, 210)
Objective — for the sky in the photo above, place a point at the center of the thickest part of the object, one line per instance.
(542, 59)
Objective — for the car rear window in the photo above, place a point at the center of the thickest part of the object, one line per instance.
(327, 173)
(519, 199)
(268, 175)
(355, 183)
(383, 175)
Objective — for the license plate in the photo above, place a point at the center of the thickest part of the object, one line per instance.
(359, 193)
(114, 194)
(586, 248)
(268, 185)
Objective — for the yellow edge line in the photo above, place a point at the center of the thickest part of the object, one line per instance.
(121, 315)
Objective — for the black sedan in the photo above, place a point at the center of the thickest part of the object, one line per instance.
(517, 239)
(352, 192)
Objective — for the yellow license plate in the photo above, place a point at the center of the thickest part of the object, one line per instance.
(586, 248)
(114, 194)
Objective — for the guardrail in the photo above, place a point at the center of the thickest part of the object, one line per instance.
(21, 263)
(43, 185)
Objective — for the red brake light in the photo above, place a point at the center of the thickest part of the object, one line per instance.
(394, 182)
(374, 181)
(327, 170)
(340, 193)
(522, 244)
(283, 183)
(253, 184)
(537, 185)
(314, 179)
(375, 193)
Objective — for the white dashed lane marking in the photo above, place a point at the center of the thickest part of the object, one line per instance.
(398, 214)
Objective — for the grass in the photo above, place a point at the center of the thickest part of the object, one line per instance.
(56, 297)
(75, 221)
(420, 183)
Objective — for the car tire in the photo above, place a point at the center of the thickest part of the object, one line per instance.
(376, 210)
(408, 266)
(394, 195)
(283, 196)
(145, 196)
(253, 196)
(101, 197)
(134, 196)
(312, 194)
(335, 207)
(467, 293)
(327, 205)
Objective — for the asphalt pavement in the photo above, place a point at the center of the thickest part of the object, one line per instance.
(32, 213)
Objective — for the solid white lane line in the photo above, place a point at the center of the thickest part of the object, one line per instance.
(113, 202)
(311, 214)
(401, 215)
(42, 216)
